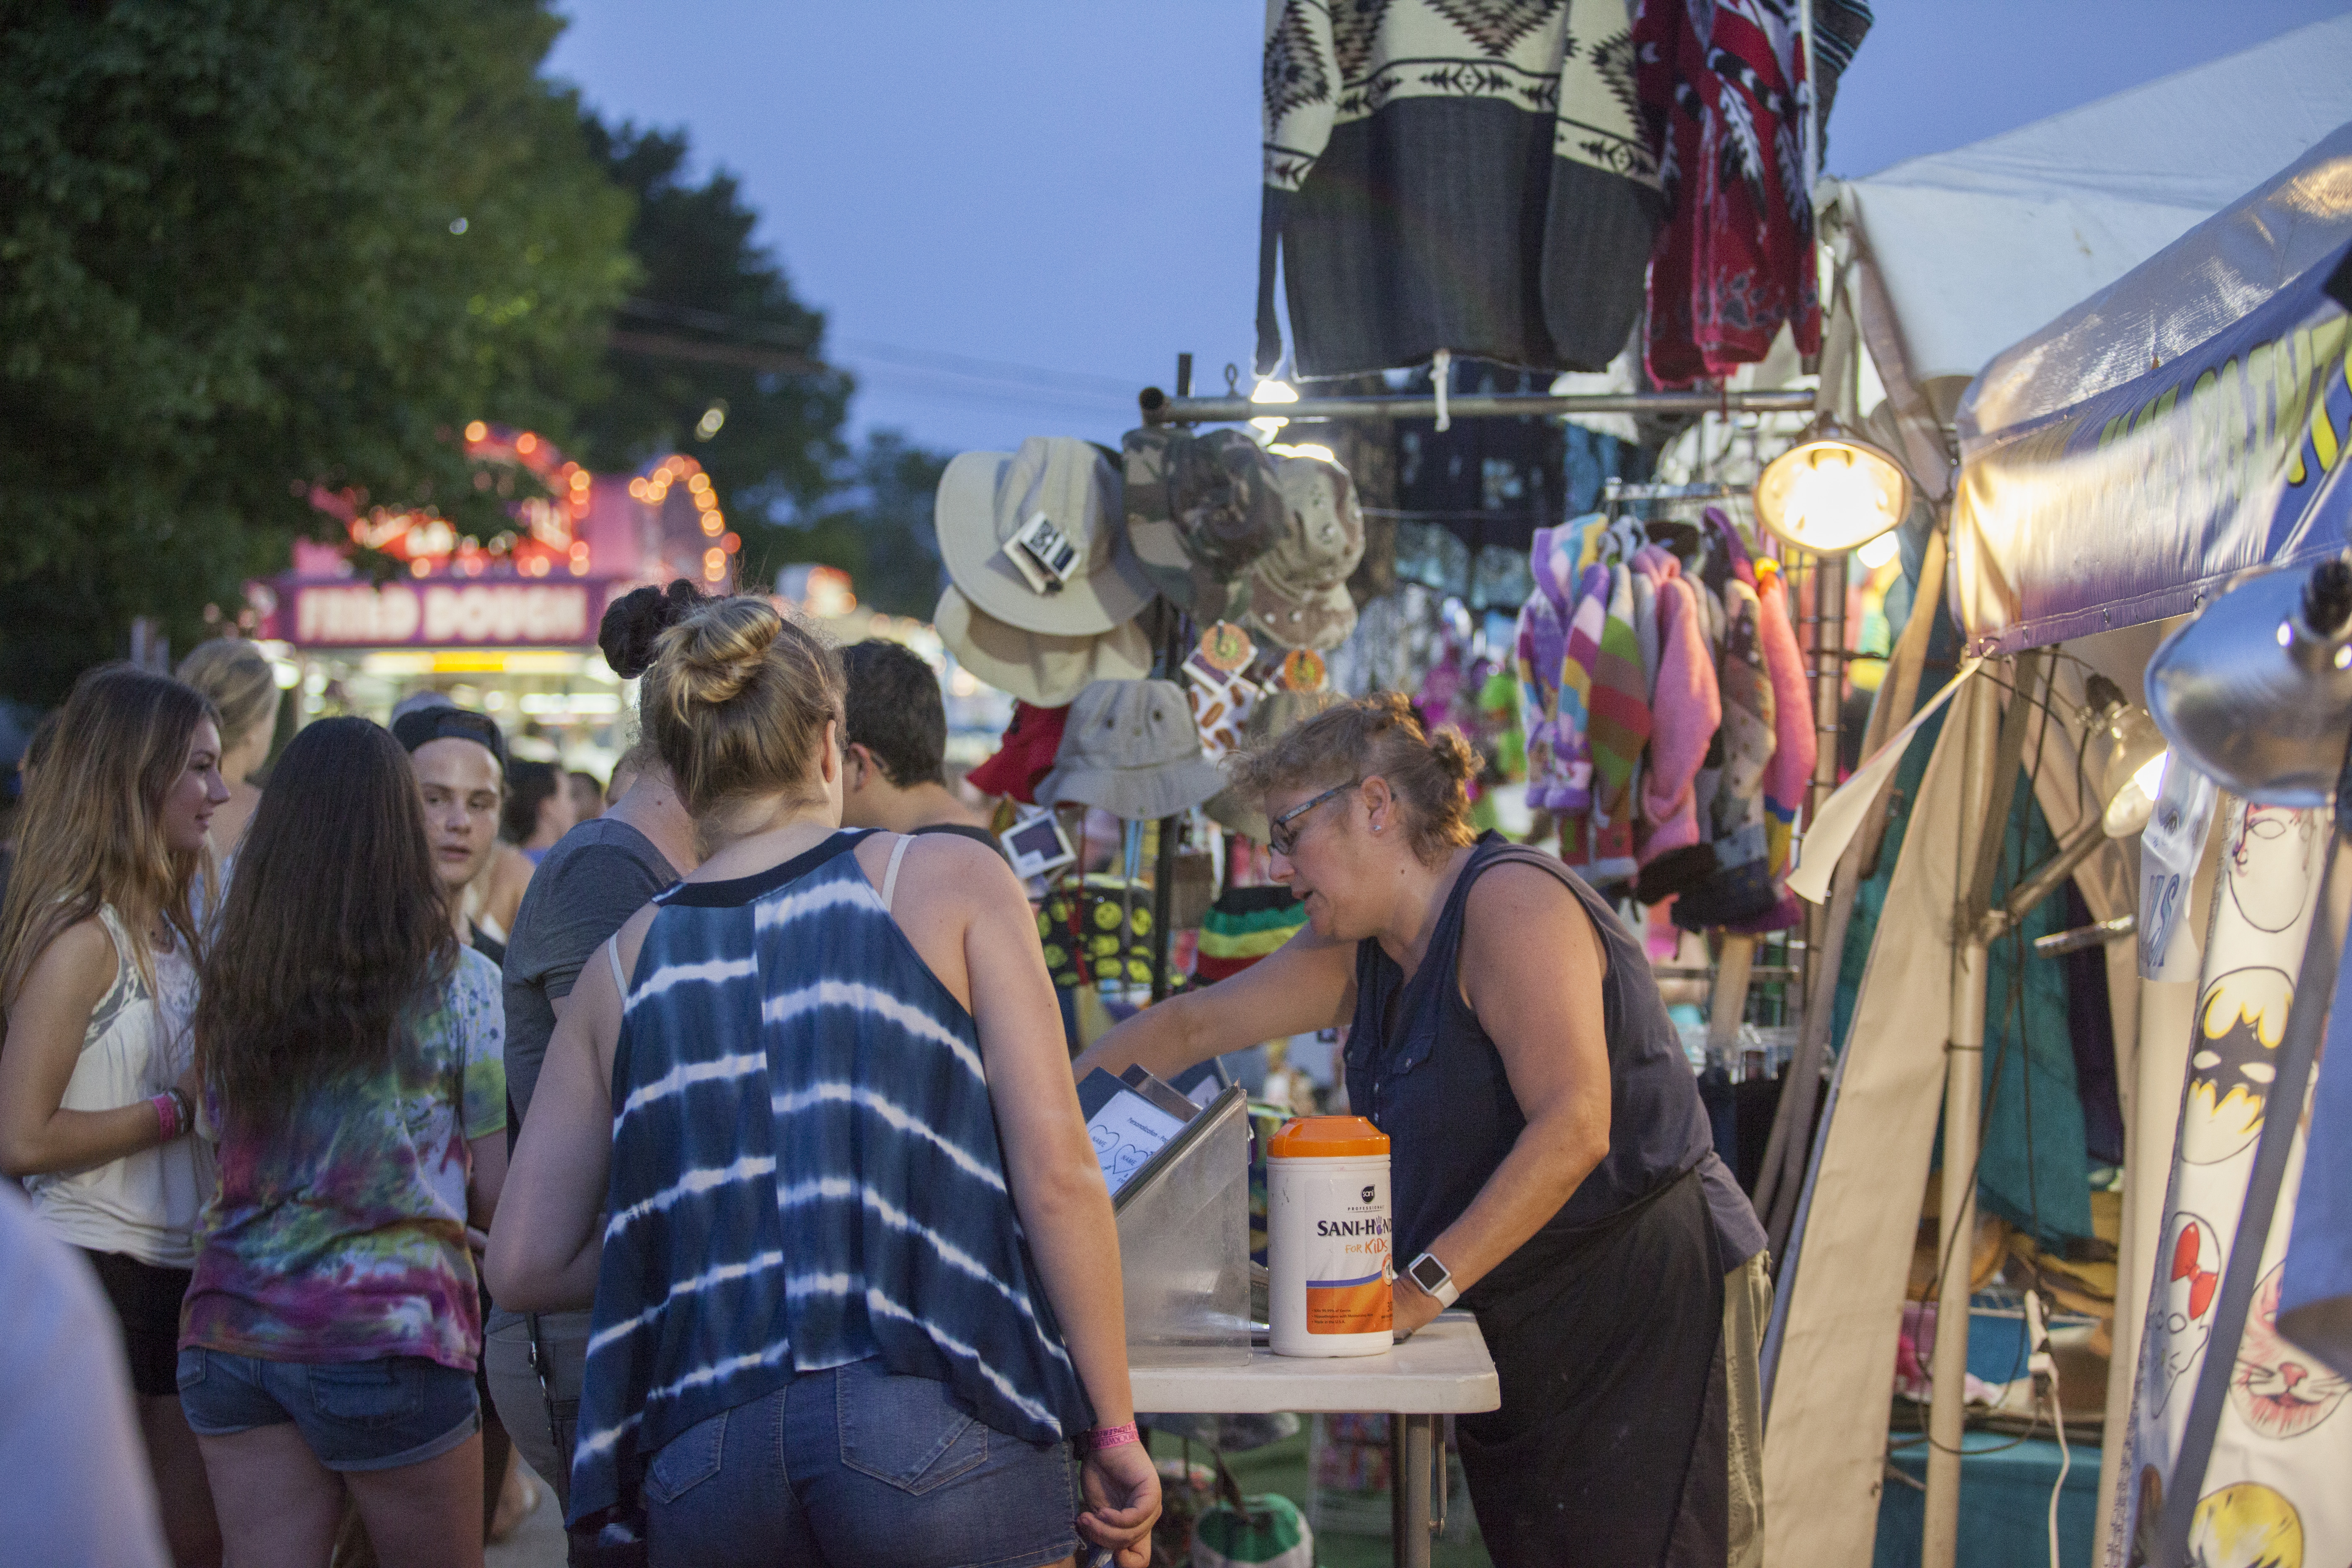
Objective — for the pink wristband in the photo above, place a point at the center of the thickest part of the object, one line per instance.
(167, 1115)
(1103, 1438)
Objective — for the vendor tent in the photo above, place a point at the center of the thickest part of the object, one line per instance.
(1963, 253)
(1953, 259)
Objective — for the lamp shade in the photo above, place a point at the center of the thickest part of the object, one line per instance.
(2126, 754)
(1831, 493)
(2260, 710)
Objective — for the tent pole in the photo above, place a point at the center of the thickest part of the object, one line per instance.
(1963, 1079)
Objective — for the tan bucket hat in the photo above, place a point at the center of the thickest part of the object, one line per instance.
(986, 498)
(1041, 669)
(1131, 748)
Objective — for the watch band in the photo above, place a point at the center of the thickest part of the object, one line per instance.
(1446, 1293)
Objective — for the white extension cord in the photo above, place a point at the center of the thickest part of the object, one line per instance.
(2040, 1364)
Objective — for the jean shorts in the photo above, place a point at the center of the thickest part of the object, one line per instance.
(857, 1466)
(355, 1415)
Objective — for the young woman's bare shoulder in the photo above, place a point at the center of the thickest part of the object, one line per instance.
(80, 961)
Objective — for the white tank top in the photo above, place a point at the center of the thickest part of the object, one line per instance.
(139, 1041)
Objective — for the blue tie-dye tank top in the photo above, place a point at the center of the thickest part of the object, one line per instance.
(805, 1174)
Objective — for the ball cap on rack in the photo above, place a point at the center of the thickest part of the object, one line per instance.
(1200, 509)
(986, 498)
(1298, 590)
(1038, 667)
(1131, 748)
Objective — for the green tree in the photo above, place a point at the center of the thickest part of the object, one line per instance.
(248, 247)
(711, 353)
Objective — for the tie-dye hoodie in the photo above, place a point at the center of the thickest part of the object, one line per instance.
(341, 1237)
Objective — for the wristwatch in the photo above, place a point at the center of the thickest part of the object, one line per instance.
(1430, 1276)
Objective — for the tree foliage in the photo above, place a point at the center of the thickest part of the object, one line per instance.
(711, 324)
(248, 246)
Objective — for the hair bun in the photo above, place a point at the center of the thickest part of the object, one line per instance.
(631, 631)
(719, 649)
(1453, 754)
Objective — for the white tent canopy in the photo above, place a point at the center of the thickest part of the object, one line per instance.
(1963, 253)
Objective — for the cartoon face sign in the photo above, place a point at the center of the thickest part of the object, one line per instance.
(2248, 1525)
(2276, 1389)
(2269, 870)
(2188, 1274)
(2233, 1061)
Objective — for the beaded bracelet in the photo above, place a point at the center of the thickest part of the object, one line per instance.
(1118, 1436)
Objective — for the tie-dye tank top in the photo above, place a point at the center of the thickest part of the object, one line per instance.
(805, 1174)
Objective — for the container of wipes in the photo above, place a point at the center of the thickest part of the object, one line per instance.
(1328, 1256)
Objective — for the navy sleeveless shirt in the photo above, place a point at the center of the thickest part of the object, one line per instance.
(805, 1174)
(1422, 1068)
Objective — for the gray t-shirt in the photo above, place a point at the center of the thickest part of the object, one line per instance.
(583, 890)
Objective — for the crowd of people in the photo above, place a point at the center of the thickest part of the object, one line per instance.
(720, 1151)
(405, 1100)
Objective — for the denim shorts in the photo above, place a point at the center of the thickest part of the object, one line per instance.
(355, 1415)
(857, 1466)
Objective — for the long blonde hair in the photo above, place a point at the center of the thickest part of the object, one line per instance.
(92, 833)
(243, 686)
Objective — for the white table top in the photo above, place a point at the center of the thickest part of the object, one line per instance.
(1443, 1370)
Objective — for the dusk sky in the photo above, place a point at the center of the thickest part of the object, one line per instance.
(1015, 214)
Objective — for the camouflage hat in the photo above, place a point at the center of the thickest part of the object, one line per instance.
(1200, 509)
(1298, 590)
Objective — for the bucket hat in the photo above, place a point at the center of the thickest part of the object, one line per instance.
(986, 498)
(1131, 749)
(1272, 715)
(1037, 667)
(1200, 509)
(1025, 755)
(1298, 590)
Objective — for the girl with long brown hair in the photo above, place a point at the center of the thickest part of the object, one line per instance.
(348, 1050)
(98, 972)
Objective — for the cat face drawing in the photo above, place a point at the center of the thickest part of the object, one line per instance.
(2276, 1389)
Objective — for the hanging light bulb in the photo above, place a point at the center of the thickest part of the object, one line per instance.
(1879, 552)
(1831, 493)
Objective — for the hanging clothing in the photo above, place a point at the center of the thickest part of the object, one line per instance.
(1729, 882)
(1687, 709)
(1720, 84)
(1487, 481)
(1441, 175)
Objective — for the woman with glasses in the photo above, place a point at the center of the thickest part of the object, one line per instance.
(1552, 1164)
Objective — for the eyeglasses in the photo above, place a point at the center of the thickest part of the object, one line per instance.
(1281, 837)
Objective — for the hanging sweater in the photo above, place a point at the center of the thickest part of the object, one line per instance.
(1443, 175)
(1796, 743)
(1720, 86)
(1685, 710)
(1737, 886)
(1538, 648)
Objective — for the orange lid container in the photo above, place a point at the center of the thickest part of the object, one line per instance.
(1326, 1137)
